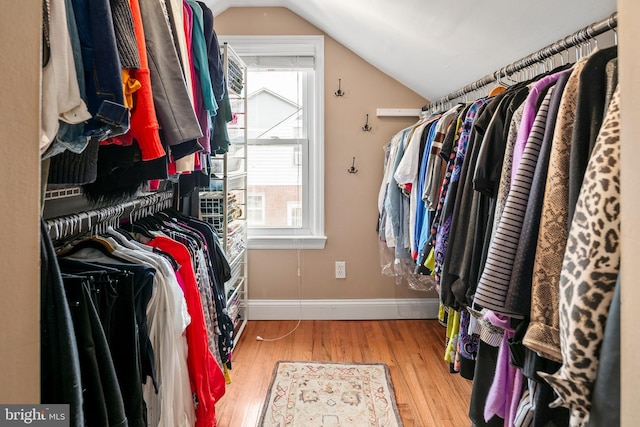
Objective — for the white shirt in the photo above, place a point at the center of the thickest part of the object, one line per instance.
(60, 92)
(407, 173)
(177, 15)
(386, 180)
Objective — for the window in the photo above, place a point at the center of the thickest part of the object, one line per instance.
(294, 214)
(297, 156)
(255, 208)
(285, 151)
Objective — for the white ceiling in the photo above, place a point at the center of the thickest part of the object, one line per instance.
(437, 46)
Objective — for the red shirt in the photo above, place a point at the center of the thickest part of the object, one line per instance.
(206, 377)
(144, 123)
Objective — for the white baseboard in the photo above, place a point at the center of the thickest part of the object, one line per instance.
(343, 309)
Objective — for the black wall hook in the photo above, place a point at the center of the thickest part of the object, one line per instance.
(339, 92)
(353, 169)
(366, 126)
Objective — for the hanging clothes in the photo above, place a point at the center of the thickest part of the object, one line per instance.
(543, 334)
(60, 380)
(494, 283)
(144, 123)
(526, 202)
(406, 174)
(452, 283)
(150, 323)
(168, 318)
(200, 360)
(448, 154)
(519, 293)
(605, 404)
(590, 270)
(120, 296)
(61, 97)
(444, 227)
(144, 57)
(173, 106)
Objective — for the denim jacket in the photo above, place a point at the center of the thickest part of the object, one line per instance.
(102, 68)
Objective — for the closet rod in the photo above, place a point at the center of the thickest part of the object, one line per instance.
(67, 226)
(579, 37)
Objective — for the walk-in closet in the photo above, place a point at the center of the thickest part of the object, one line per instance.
(273, 213)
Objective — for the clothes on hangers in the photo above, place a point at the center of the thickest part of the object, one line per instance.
(151, 329)
(120, 296)
(168, 318)
(590, 271)
(60, 380)
(61, 93)
(543, 334)
(527, 194)
(157, 66)
(406, 173)
(493, 285)
(199, 359)
(103, 399)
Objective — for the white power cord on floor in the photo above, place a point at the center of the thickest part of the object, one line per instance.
(259, 338)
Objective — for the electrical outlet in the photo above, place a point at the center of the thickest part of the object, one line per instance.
(341, 270)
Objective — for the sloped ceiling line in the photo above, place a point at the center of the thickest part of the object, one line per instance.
(581, 36)
(434, 47)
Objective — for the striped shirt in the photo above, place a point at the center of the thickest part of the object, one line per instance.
(494, 281)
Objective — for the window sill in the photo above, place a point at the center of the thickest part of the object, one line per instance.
(286, 242)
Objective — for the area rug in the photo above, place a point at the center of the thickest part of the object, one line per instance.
(310, 394)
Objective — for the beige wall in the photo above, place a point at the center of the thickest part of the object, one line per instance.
(629, 36)
(19, 193)
(350, 200)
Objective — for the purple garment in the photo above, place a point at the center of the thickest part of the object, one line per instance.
(504, 394)
(467, 343)
(529, 115)
(204, 119)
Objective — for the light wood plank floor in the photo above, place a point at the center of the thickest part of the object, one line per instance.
(426, 393)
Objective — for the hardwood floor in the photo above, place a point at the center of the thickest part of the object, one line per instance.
(426, 393)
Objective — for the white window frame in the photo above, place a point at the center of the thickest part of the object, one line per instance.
(312, 235)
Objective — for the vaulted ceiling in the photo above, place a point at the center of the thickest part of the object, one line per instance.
(437, 46)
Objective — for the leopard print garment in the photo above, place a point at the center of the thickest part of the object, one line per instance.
(589, 272)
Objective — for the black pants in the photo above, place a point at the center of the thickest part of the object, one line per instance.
(103, 405)
(112, 292)
(482, 380)
(60, 380)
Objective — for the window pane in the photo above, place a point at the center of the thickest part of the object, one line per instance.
(255, 209)
(276, 104)
(294, 214)
(274, 173)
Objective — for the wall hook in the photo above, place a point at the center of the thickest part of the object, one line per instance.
(353, 169)
(339, 92)
(366, 126)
